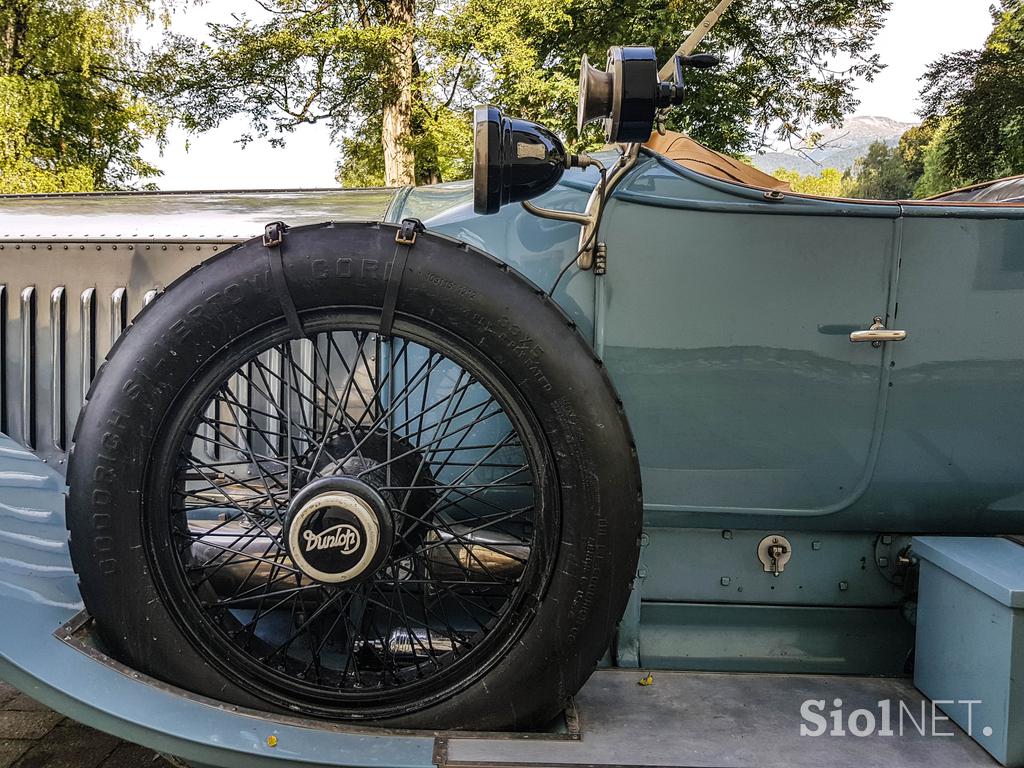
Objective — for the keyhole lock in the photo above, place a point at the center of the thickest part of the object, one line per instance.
(774, 552)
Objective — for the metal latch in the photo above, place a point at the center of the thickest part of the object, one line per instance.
(273, 234)
(774, 552)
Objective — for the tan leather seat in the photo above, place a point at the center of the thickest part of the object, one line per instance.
(688, 153)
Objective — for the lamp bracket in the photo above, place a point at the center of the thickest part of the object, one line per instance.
(590, 219)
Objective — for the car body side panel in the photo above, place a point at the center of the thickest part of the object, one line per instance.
(537, 248)
(727, 334)
(953, 454)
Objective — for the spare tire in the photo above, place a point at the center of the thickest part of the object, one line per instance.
(435, 527)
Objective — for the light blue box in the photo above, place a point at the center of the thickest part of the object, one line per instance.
(970, 638)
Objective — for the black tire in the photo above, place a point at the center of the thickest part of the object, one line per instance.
(477, 312)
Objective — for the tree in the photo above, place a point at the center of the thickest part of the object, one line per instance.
(395, 78)
(69, 118)
(912, 148)
(881, 175)
(935, 178)
(979, 95)
(781, 73)
(831, 182)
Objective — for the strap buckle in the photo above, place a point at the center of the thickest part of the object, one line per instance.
(273, 234)
(407, 230)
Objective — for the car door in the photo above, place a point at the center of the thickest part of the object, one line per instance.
(954, 432)
(725, 321)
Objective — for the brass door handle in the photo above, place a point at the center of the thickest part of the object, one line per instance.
(877, 333)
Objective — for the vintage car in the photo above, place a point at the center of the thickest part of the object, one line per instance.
(347, 472)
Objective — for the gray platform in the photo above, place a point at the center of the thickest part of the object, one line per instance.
(710, 720)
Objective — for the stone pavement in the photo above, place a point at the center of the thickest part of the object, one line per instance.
(32, 736)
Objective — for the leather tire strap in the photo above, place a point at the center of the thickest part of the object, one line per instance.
(273, 240)
(405, 238)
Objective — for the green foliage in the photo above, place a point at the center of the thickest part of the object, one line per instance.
(782, 70)
(881, 175)
(330, 61)
(980, 97)
(935, 178)
(973, 129)
(24, 166)
(69, 119)
(439, 144)
(293, 62)
(913, 146)
(831, 182)
(915, 168)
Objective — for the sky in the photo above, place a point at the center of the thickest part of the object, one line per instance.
(916, 33)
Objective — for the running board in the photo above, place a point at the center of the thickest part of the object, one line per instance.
(731, 720)
(636, 719)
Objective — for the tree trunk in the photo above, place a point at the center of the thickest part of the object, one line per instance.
(399, 160)
(15, 29)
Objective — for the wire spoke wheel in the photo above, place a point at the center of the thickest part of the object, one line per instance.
(436, 528)
(285, 584)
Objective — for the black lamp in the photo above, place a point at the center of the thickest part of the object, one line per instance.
(516, 160)
(513, 160)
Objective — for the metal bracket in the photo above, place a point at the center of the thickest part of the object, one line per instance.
(601, 259)
(590, 219)
(406, 234)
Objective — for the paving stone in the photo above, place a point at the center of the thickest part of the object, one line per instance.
(70, 745)
(133, 756)
(27, 725)
(31, 736)
(23, 703)
(11, 750)
(7, 692)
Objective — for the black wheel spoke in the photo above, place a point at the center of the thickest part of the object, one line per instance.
(455, 468)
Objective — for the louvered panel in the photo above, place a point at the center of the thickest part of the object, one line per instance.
(62, 306)
(3, 358)
(87, 331)
(58, 337)
(27, 316)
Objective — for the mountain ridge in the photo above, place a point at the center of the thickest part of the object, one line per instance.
(838, 147)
